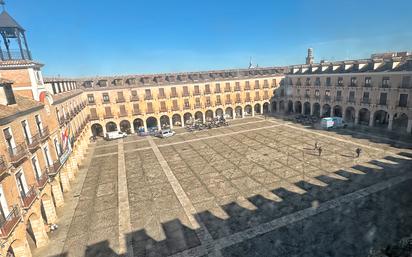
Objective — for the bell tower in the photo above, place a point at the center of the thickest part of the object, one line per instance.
(16, 63)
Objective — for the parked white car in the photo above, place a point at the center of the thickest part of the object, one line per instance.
(165, 133)
(115, 135)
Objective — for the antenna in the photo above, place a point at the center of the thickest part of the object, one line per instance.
(3, 3)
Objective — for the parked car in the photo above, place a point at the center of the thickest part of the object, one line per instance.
(332, 122)
(115, 135)
(164, 133)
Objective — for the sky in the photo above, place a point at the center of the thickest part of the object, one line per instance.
(76, 38)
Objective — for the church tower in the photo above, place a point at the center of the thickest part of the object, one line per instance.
(16, 63)
(309, 58)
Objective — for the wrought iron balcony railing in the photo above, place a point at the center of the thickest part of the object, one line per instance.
(29, 198)
(17, 153)
(42, 181)
(8, 225)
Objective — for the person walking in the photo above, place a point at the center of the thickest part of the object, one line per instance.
(358, 152)
(316, 145)
(320, 150)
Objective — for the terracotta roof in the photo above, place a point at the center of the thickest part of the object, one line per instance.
(23, 106)
(7, 63)
(61, 97)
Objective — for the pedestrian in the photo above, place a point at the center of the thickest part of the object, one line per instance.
(316, 145)
(320, 150)
(358, 152)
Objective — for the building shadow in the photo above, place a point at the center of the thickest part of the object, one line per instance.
(372, 219)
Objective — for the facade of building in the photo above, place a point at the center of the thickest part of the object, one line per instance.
(373, 92)
(43, 138)
(155, 101)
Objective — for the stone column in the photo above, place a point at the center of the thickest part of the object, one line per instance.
(409, 127)
(371, 120)
(356, 118)
(57, 193)
(40, 234)
(390, 123)
(182, 120)
(145, 125)
(64, 178)
(68, 170)
(73, 165)
(204, 117)
(171, 122)
(49, 210)
(253, 111)
(22, 248)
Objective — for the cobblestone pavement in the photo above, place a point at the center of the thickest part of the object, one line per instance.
(255, 188)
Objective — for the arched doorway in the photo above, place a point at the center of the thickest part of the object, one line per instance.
(199, 116)
(187, 117)
(48, 210)
(97, 130)
(364, 116)
(177, 120)
(164, 122)
(229, 113)
(209, 115)
(111, 126)
(257, 109)
(151, 123)
(316, 109)
(350, 115)
(238, 111)
(381, 119)
(326, 112)
(138, 125)
(36, 231)
(274, 106)
(298, 107)
(400, 122)
(248, 110)
(265, 108)
(306, 108)
(337, 111)
(125, 126)
(18, 246)
(289, 107)
(219, 112)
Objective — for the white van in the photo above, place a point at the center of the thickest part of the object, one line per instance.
(333, 122)
(115, 135)
(165, 133)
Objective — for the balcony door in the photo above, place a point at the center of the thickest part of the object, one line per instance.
(26, 131)
(21, 183)
(4, 210)
(36, 167)
(47, 156)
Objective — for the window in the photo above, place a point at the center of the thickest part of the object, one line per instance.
(90, 98)
(8, 91)
(9, 139)
(218, 102)
(257, 86)
(382, 99)
(353, 81)
(21, 183)
(134, 92)
(120, 95)
(228, 99)
(403, 100)
(368, 81)
(4, 210)
(317, 93)
(247, 85)
(186, 102)
(217, 88)
(36, 167)
(47, 156)
(207, 89)
(328, 82)
(308, 81)
(298, 82)
(247, 97)
(274, 83)
(237, 86)
(106, 98)
(175, 105)
(161, 93)
(352, 96)
(163, 106)
(148, 94)
(406, 82)
(227, 87)
(365, 98)
(385, 82)
(173, 92)
(93, 113)
(149, 107)
(196, 90)
(327, 93)
(38, 123)
(340, 81)
(26, 131)
(122, 109)
(208, 101)
(108, 111)
(136, 109)
(197, 102)
(237, 98)
(339, 93)
(58, 147)
(307, 92)
(298, 91)
(317, 81)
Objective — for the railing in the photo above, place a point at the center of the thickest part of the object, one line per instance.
(353, 85)
(137, 112)
(161, 96)
(351, 100)
(217, 92)
(149, 111)
(175, 108)
(207, 92)
(10, 222)
(148, 97)
(92, 117)
(174, 95)
(228, 102)
(237, 89)
(382, 103)
(196, 93)
(33, 142)
(29, 198)
(122, 114)
(163, 110)
(44, 133)
(108, 116)
(42, 181)
(3, 165)
(338, 98)
(186, 107)
(326, 98)
(120, 100)
(106, 101)
(365, 101)
(367, 85)
(15, 54)
(185, 95)
(134, 98)
(17, 153)
(54, 168)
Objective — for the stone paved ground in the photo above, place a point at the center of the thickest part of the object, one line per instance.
(255, 188)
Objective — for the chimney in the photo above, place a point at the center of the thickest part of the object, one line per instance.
(6, 93)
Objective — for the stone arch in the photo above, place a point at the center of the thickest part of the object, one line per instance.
(248, 110)
(187, 118)
(164, 122)
(274, 106)
(229, 113)
(199, 116)
(125, 126)
(364, 116)
(152, 123)
(326, 110)
(219, 112)
(138, 125)
(298, 107)
(266, 108)
(350, 114)
(177, 120)
(48, 209)
(306, 108)
(337, 111)
(19, 248)
(257, 108)
(400, 122)
(111, 126)
(36, 231)
(238, 111)
(97, 130)
(209, 114)
(289, 106)
(381, 119)
(316, 109)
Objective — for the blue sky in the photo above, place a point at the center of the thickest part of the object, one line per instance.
(88, 38)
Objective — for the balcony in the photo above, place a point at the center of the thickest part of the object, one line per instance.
(93, 117)
(185, 94)
(148, 97)
(257, 98)
(247, 99)
(109, 116)
(175, 108)
(237, 89)
(227, 90)
(149, 111)
(161, 96)
(106, 101)
(122, 114)
(7, 225)
(196, 93)
(351, 100)
(186, 107)
(247, 88)
(44, 133)
(174, 95)
(266, 85)
(198, 106)
(33, 142)
(42, 181)
(91, 103)
(17, 153)
(54, 168)
(137, 112)
(338, 98)
(207, 92)
(367, 85)
(3, 165)
(238, 101)
(353, 85)
(307, 97)
(218, 91)
(134, 98)
(365, 101)
(327, 98)
(228, 102)
(163, 110)
(382, 103)
(29, 198)
(120, 100)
